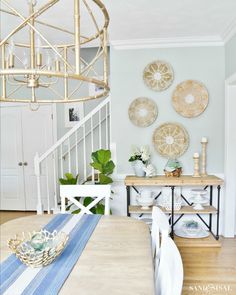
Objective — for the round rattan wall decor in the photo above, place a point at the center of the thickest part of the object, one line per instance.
(143, 112)
(158, 75)
(170, 140)
(190, 98)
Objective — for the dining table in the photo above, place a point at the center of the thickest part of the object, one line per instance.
(117, 258)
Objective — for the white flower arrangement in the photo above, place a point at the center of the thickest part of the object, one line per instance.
(141, 154)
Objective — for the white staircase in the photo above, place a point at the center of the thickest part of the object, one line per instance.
(71, 153)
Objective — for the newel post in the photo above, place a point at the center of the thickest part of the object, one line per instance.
(37, 173)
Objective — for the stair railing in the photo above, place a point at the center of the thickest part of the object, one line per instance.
(71, 153)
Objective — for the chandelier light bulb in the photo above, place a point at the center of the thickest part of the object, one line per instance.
(11, 54)
(11, 48)
(25, 60)
(56, 56)
(57, 61)
(38, 45)
(38, 49)
(49, 61)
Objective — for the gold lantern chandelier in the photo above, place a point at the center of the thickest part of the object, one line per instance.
(36, 69)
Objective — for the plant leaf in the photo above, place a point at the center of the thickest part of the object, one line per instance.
(69, 179)
(94, 156)
(100, 209)
(87, 201)
(103, 179)
(109, 167)
(97, 166)
(63, 181)
(77, 211)
(68, 207)
(69, 176)
(103, 156)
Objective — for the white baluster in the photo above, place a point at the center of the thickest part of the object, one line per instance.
(106, 118)
(47, 186)
(76, 153)
(55, 182)
(61, 159)
(37, 173)
(69, 156)
(100, 129)
(92, 146)
(109, 106)
(84, 149)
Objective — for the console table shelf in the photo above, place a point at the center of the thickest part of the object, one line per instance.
(184, 210)
(207, 182)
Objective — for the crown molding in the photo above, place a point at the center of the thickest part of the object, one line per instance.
(229, 32)
(168, 42)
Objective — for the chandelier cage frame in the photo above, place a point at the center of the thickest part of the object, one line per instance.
(14, 79)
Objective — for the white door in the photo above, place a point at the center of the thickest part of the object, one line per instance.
(12, 180)
(31, 132)
(37, 137)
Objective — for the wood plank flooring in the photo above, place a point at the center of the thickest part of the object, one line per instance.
(9, 215)
(210, 271)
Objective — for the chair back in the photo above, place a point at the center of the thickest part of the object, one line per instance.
(160, 224)
(97, 192)
(169, 275)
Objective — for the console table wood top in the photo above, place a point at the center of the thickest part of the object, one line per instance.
(183, 180)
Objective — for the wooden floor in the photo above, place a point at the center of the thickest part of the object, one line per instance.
(206, 270)
(9, 215)
(210, 270)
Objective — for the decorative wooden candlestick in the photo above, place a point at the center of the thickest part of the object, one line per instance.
(196, 165)
(204, 145)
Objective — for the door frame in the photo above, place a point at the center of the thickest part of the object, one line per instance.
(229, 220)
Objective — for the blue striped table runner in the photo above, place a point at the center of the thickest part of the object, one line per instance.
(16, 278)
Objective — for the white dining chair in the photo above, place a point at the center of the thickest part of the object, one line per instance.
(97, 192)
(160, 227)
(169, 274)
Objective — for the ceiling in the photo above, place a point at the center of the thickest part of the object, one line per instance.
(140, 19)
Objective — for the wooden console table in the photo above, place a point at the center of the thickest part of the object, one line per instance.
(173, 182)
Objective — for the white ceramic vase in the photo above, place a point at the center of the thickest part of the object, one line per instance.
(138, 168)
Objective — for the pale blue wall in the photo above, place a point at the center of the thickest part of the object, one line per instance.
(230, 57)
(87, 54)
(206, 64)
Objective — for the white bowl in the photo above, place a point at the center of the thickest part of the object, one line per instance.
(145, 204)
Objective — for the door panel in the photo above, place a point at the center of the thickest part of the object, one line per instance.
(12, 184)
(37, 129)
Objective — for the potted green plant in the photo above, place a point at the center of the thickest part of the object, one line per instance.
(101, 162)
(70, 179)
(104, 165)
(173, 168)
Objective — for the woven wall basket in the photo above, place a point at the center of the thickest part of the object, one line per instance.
(143, 112)
(170, 140)
(158, 75)
(190, 98)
